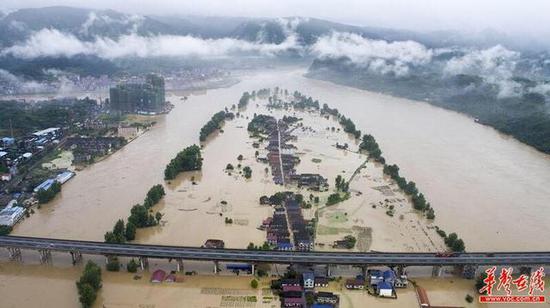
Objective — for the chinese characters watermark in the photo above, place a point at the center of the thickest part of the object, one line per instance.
(530, 283)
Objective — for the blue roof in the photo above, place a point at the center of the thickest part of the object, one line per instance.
(389, 274)
(284, 245)
(376, 273)
(322, 306)
(384, 285)
(238, 266)
(308, 275)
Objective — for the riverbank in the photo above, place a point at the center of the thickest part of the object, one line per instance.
(485, 175)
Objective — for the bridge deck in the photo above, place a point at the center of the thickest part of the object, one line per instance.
(283, 257)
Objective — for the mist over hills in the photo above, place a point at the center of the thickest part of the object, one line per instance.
(502, 81)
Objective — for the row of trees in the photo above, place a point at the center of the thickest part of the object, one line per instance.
(409, 187)
(349, 127)
(334, 198)
(212, 125)
(275, 199)
(303, 102)
(46, 195)
(327, 110)
(89, 284)
(454, 242)
(188, 159)
(370, 145)
(341, 184)
(243, 101)
(140, 217)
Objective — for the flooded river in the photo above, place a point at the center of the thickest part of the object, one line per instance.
(490, 189)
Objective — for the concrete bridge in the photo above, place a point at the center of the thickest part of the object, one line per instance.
(76, 248)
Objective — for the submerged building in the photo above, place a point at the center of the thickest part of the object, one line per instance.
(147, 97)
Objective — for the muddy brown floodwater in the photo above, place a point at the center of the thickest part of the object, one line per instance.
(490, 189)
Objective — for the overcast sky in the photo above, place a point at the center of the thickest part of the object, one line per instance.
(513, 17)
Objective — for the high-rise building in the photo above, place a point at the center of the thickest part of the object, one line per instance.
(139, 97)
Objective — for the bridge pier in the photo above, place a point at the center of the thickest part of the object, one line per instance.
(437, 270)
(400, 270)
(76, 256)
(144, 263)
(216, 267)
(45, 256)
(328, 270)
(364, 271)
(253, 269)
(469, 271)
(179, 266)
(15, 254)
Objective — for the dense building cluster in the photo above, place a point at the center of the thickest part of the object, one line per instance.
(146, 97)
(280, 152)
(287, 229)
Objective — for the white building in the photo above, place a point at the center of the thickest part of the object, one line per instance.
(47, 132)
(384, 289)
(11, 214)
(309, 280)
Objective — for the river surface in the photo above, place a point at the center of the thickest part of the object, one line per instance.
(489, 188)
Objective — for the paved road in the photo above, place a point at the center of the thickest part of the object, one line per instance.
(241, 255)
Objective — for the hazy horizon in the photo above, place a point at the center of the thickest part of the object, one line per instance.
(513, 17)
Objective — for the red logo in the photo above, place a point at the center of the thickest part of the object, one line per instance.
(531, 283)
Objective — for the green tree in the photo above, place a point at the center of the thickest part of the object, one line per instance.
(229, 167)
(5, 230)
(88, 284)
(158, 217)
(247, 171)
(458, 246)
(333, 199)
(338, 182)
(130, 231)
(110, 238)
(86, 295)
(240, 157)
(310, 298)
(91, 275)
(451, 239)
(113, 265)
(254, 284)
(132, 266)
(188, 159)
(118, 229)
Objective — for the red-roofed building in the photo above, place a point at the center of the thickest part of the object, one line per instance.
(292, 289)
(158, 276)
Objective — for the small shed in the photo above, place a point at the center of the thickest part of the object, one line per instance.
(385, 289)
(158, 276)
(309, 280)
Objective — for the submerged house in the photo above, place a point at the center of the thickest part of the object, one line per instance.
(158, 276)
(384, 289)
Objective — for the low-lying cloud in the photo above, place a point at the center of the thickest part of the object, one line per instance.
(18, 85)
(376, 55)
(497, 65)
(54, 43)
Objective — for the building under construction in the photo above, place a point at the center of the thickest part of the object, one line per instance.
(146, 97)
